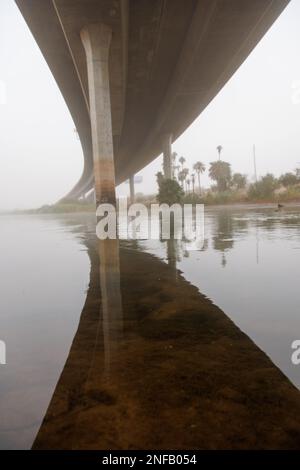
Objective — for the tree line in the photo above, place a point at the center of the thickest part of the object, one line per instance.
(186, 182)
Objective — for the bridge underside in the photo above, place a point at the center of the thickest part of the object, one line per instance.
(166, 61)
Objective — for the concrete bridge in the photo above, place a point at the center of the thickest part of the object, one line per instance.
(136, 73)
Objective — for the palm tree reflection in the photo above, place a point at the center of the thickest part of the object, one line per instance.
(223, 240)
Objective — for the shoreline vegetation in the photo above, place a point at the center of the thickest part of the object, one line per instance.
(227, 198)
(227, 187)
(229, 190)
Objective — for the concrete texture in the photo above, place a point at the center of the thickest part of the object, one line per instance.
(96, 39)
(167, 155)
(131, 189)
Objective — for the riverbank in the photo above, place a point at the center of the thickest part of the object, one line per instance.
(62, 208)
(176, 373)
(76, 208)
(236, 197)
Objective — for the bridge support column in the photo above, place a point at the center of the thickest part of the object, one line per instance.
(131, 189)
(96, 39)
(167, 153)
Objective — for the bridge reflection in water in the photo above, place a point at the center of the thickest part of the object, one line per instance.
(111, 301)
(155, 365)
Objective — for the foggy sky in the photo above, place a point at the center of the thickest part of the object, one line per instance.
(40, 154)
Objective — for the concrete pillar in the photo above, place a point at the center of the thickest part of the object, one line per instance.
(96, 39)
(111, 300)
(167, 153)
(131, 187)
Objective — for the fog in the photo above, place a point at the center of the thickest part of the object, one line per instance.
(40, 154)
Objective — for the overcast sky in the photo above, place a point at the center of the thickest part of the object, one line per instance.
(40, 154)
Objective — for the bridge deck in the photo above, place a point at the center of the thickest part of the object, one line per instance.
(168, 60)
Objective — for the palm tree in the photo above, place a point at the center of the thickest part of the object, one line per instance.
(176, 170)
(182, 161)
(221, 173)
(181, 177)
(193, 182)
(188, 182)
(185, 172)
(199, 167)
(174, 156)
(219, 148)
(240, 181)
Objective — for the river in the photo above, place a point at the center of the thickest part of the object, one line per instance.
(248, 266)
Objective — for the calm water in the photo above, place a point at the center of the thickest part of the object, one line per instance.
(249, 267)
(44, 273)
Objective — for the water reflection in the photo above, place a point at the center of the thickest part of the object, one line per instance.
(172, 248)
(42, 291)
(223, 238)
(256, 279)
(154, 364)
(163, 367)
(111, 302)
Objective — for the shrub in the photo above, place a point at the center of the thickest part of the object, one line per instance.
(170, 192)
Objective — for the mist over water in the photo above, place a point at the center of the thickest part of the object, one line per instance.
(44, 274)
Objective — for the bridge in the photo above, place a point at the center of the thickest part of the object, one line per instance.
(136, 73)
